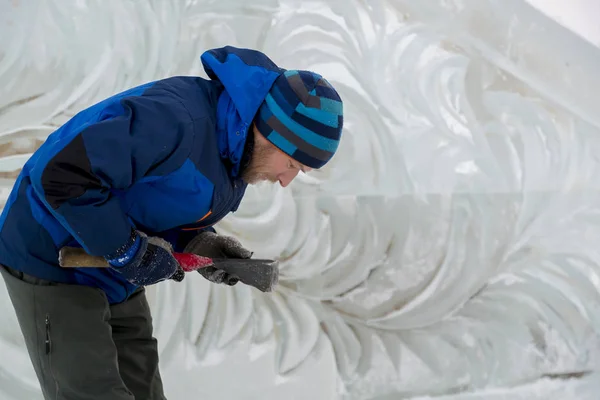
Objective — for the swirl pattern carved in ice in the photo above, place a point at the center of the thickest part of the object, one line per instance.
(450, 245)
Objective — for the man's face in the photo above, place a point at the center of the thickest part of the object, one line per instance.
(268, 163)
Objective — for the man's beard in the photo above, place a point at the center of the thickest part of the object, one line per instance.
(258, 170)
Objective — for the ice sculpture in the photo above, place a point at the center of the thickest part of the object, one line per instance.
(450, 248)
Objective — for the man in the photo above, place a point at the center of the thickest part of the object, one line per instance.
(167, 159)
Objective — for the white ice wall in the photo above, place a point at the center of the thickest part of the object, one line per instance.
(450, 247)
(580, 16)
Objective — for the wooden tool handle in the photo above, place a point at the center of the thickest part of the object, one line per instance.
(76, 257)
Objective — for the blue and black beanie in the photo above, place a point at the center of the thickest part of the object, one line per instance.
(303, 116)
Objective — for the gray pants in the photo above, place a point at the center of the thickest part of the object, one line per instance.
(80, 346)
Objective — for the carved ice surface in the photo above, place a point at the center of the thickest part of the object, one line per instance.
(451, 245)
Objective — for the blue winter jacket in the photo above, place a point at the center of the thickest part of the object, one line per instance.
(163, 157)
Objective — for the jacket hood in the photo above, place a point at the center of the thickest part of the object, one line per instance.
(247, 76)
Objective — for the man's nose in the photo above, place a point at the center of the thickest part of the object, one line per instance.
(286, 178)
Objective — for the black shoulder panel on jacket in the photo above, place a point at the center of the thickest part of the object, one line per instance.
(68, 174)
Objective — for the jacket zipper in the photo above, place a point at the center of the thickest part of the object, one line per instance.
(48, 345)
(47, 342)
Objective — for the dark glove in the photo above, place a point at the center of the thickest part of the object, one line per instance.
(142, 262)
(209, 244)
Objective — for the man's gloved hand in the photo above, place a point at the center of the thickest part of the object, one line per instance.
(209, 244)
(143, 262)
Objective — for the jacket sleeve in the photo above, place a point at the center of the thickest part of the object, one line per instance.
(78, 171)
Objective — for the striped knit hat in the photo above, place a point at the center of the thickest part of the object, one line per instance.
(303, 116)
